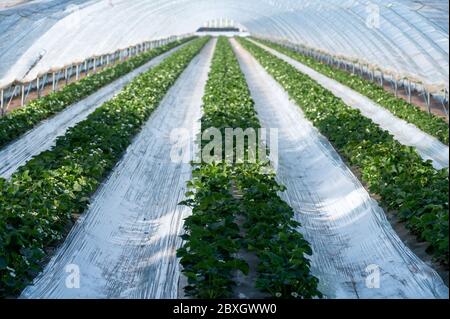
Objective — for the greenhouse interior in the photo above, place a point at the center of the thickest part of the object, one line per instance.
(224, 149)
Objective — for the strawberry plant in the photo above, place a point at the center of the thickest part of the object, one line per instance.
(212, 235)
(23, 119)
(405, 183)
(38, 201)
(428, 123)
(283, 270)
(212, 238)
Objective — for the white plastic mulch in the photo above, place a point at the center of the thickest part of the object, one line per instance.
(357, 254)
(125, 244)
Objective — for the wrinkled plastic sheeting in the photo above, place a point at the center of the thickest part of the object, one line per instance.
(403, 36)
(356, 253)
(428, 147)
(21, 29)
(124, 245)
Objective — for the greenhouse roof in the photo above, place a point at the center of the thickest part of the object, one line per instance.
(403, 37)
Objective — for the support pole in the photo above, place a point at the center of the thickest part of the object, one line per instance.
(429, 101)
(444, 102)
(54, 82)
(58, 76)
(38, 89)
(409, 91)
(44, 82)
(77, 74)
(2, 103)
(12, 97)
(28, 92)
(22, 99)
(395, 87)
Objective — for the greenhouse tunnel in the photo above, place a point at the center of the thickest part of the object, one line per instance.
(358, 93)
(413, 33)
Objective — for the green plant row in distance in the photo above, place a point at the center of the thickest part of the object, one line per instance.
(429, 123)
(21, 120)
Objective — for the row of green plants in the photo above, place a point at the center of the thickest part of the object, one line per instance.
(221, 193)
(406, 184)
(272, 234)
(429, 123)
(39, 201)
(212, 238)
(21, 120)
